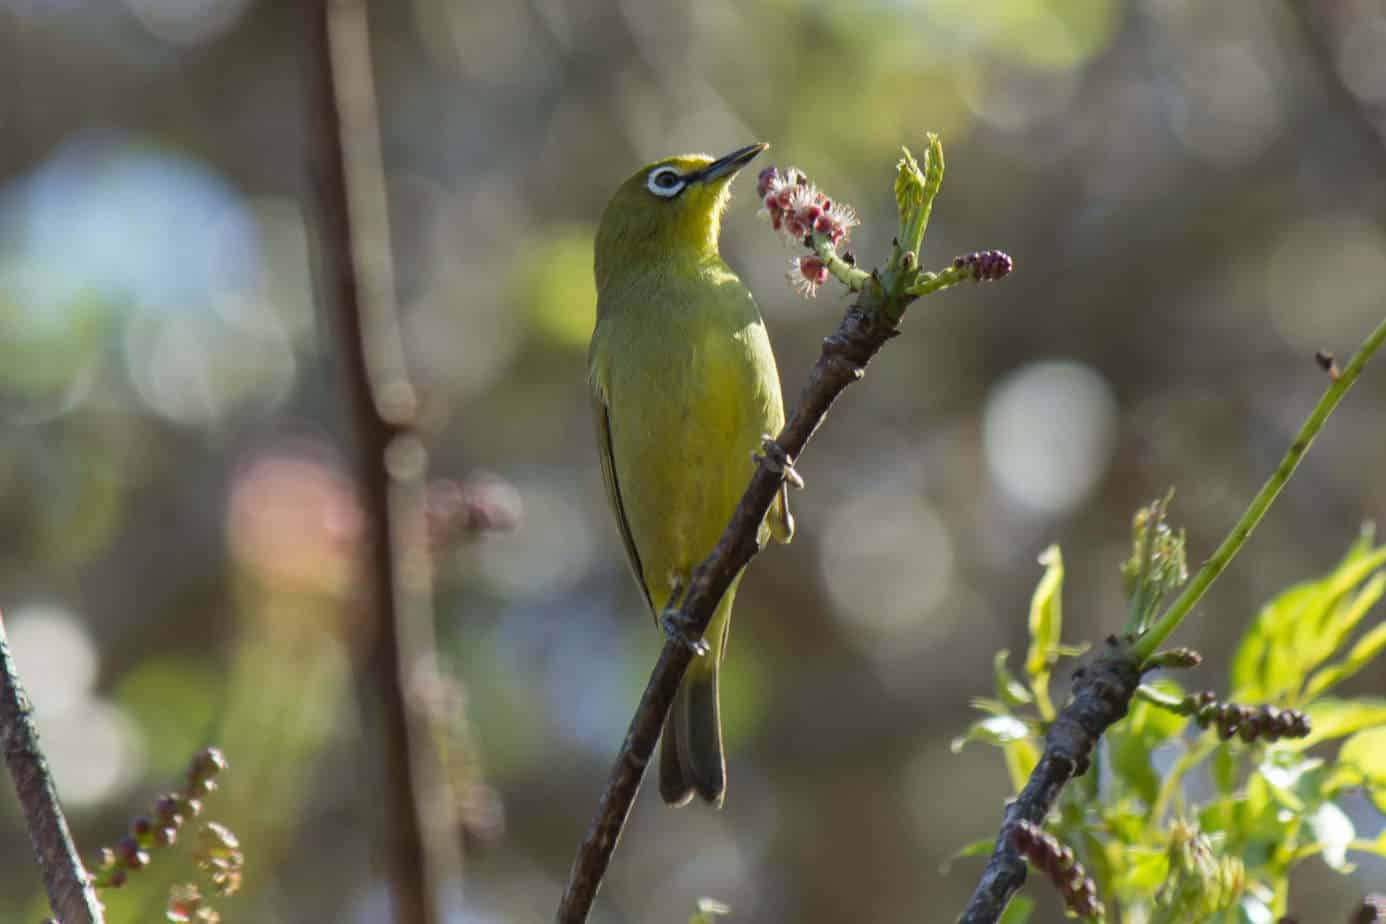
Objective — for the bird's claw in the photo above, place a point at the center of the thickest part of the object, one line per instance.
(677, 630)
(778, 461)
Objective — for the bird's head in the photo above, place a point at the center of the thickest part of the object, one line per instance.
(669, 209)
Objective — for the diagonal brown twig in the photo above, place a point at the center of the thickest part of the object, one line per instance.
(863, 331)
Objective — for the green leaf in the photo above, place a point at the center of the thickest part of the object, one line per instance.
(991, 706)
(997, 730)
(909, 192)
(1287, 638)
(1316, 641)
(1376, 848)
(1146, 870)
(915, 188)
(1294, 782)
(1046, 612)
(1333, 831)
(1095, 854)
(1358, 657)
(1268, 631)
(1046, 626)
(1344, 618)
(980, 848)
(1021, 757)
(1365, 752)
(1018, 911)
(1331, 718)
(1125, 823)
(1224, 769)
(1130, 743)
(1008, 689)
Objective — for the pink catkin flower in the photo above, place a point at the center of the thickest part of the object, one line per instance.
(807, 274)
(804, 208)
(797, 208)
(765, 179)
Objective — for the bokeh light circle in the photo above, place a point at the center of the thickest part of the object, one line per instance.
(1048, 432)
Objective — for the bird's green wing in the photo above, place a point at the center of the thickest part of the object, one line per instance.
(613, 492)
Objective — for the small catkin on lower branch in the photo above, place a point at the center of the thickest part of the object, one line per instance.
(863, 331)
(1102, 692)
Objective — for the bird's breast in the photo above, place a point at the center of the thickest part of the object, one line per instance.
(688, 405)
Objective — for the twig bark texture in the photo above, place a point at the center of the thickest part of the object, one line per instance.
(69, 888)
(863, 331)
(397, 821)
(1102, 692)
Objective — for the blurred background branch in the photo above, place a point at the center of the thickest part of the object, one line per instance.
(1321, 27)
(355, 258)
(70, 893)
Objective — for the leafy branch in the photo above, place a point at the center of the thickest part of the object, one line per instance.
(1338, 387)
(1284, 662)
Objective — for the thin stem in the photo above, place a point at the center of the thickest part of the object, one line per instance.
(1201, 750)
(1143, 647)
(854, 279)
(930, 283)
(1156, 697)
(70, 893)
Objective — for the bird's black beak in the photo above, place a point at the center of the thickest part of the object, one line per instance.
(725, 166)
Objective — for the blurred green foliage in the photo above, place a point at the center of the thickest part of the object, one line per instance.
(560, 298)
(1159, 846)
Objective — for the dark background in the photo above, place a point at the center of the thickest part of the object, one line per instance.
(1195, 204)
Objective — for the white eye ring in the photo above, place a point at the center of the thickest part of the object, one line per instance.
(664, 182)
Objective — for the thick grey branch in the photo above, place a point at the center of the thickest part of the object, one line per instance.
(1102, 692)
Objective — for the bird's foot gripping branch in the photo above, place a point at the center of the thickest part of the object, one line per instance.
(882, 294)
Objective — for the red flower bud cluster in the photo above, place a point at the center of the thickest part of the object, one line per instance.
(798, 210)
(1247, 722)
(219, 855)
(217, 851)
(987, 265)
(806, 274)
(186, 904)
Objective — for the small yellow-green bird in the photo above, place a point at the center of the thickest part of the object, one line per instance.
(684, 388)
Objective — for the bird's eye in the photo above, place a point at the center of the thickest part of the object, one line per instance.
(664, 182)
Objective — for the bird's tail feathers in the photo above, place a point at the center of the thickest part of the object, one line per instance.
(691, 760)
